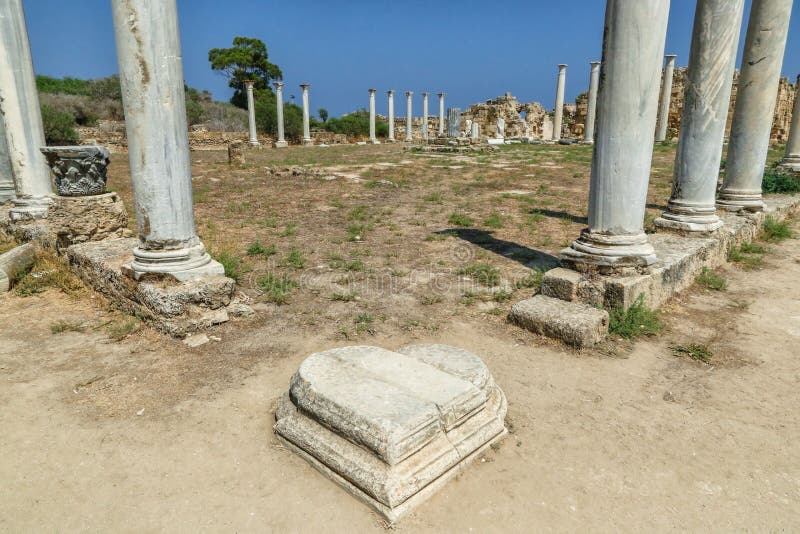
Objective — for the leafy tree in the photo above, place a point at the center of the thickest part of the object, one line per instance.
(267, 116)
(59, 127)
(323, 114)
(246, 60)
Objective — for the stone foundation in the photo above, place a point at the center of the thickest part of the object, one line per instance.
(74, 220)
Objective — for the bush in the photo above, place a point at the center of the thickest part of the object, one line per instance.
(82, 108)
(66, 86)
(59, 127)
(780, 182)
(638, 320)
(267, 116)
(355, 124)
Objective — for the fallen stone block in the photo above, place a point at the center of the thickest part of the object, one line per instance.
(14, 263)
(391, 427)
(574, 323)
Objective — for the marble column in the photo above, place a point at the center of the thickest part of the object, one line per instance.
(390, 94)
(251, 113)
(475, 131)
(666, 99)
(281, 142)
(21, 116)
(441, 115)
(627, 103)
(792, 160)
(7, 191)
(424, 116)
(764, 47)
(372, 138)
(591, 104)
(306, 116)
(151, 77)
(559, 111)
(409, 116)
(709, 79)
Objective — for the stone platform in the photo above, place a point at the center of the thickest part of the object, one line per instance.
(391, 427)
(680, 258)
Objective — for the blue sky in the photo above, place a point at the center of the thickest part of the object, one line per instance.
(472, 50)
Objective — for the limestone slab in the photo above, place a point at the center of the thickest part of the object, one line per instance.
(575, 323)
(391, 426)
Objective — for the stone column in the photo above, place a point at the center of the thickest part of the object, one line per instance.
(715, 40)
(281, 142)
(475, 131)
(251, 113)
(441, 115)
(627, 103)
(390, 93)
(792, 160)
(454, 122)
(762, 59)
(666, 99)
(372, 138)
(7, 191)
(424, 116)
(409, 117)
(559, 111)
(151, 76)
(306, 116)
(21, 115)
(591, 104)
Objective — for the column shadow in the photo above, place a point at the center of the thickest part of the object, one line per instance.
(531, 258)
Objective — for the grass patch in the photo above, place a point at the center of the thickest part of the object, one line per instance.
(694, 351)
(747, 255)
(483, 273)
(59, 327)
(775, 181)
(276, 288)
(335, 261)
(531, 281)
(231, 263)
(504, 295)
(494, 221)
(711, 280)
(344, 297)
(257, 249)
(48, 271)
(357, 232)
(460, 219)
(295, 259)
(429, 300)
(436, 198)
(289, 230)
(775, 231)
(636, 321)
(123, 327)
(364, 323)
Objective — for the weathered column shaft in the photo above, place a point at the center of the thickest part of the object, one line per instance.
(390, 94)
(7, 191)
(792, 160)
(666, 100)
(591, 104)
(762, 59)
(372, 137)
(281, 142)
(626, 117)
(306, 115)
(454, 122)
(715, 40)
(151, 77)
(251, 114)
(441, 114)
(409, 116)
(475, 131)
(425, 116)
(21, 115)
(559, 111)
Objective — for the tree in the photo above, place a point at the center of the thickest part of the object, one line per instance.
(246, 60)
(323, 114)
(267, 116)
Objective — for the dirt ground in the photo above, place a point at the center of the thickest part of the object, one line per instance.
(145, 434)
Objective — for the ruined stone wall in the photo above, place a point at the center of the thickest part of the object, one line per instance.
(521, 119)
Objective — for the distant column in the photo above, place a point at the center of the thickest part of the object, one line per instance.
(151, 77)
(591, 105)
(751, 128)
(281, 142)
(627, 103)
(21, 116)
(709, 79)
(390, 93)
(251, 113)
(666, 99)
(425, 116)
(454, 122)
(441, 115)
(559, 112)
(792, 160)
(409, 95)
(475, 131)
(372, 138)
(306, 116)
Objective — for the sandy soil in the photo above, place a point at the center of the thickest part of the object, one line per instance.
(148, 435)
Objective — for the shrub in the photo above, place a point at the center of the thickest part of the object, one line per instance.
(636, 321)
(711, 280)
(774, 230)
(59, 127)
(780, 182)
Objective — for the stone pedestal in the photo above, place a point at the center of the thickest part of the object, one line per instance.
(391, 427)
(281, 142)
(715, 40)
(792, 160)
(90, 218)
(306, 116)
(626, 119)
(666, 99)
(762, 59)
(559, 111)
(591, 108)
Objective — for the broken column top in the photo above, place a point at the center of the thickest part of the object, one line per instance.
(79, 170)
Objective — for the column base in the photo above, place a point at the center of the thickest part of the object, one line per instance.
(254, 143)
(687, 217)
(594, 250)
(7, 194)
(184, 263)
(389, 141)
(790, 163)
(740, 200)
(30, 208)
(373, 142)
(280, 144)
(589, 142)
(308, 142)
